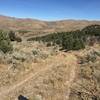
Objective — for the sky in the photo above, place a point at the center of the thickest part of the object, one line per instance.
(51, 9)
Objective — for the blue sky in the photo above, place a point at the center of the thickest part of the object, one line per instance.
(51, 9)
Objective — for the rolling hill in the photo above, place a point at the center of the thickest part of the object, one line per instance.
(38, 26)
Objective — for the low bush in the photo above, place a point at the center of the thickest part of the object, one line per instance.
(13, 37)
(5, 43)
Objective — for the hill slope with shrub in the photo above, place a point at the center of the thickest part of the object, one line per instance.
(30, 27)
(73, 40)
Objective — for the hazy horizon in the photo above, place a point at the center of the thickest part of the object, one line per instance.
(64, 19)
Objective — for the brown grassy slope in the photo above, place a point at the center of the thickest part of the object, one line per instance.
(51, 81)
(37, 26)
(47, 74)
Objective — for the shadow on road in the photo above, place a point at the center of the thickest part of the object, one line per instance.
(20, 97)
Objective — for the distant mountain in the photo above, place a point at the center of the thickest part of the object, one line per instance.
(38, 26)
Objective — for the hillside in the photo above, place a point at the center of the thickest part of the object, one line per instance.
(38, 72)
(57, 66)
(45, 75)
(40, 27)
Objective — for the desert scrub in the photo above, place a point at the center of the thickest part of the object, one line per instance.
(14, 37)
(39, 53)
(97, 53)
(89, 57)
(5, 43)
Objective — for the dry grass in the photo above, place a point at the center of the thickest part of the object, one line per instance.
(49, 78)
(87, 84)
(45, 73)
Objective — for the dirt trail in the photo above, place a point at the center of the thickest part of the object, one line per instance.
(72, 75)
(68, 59)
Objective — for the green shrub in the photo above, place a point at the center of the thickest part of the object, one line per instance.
(49, 44)
(5, 43)
(92, 30)
(73, 40)
(12, 36)
(18, 39)
(35, 52)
